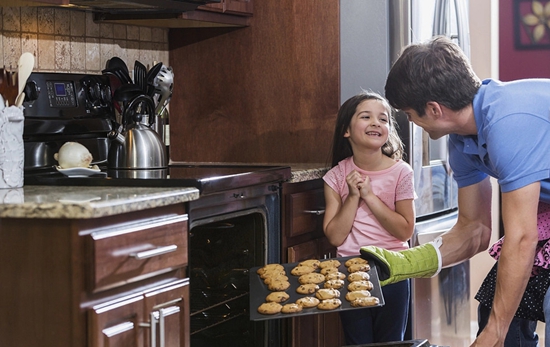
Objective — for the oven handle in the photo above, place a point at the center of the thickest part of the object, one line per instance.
(154, 252)
(315, 212)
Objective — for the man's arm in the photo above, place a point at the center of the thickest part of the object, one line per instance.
(469, 236)
(472, 232)
(519, 215)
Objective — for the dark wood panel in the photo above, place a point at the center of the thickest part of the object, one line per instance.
(267, 93)
(36, 294)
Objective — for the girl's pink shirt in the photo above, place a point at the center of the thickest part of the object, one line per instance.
(390, 185)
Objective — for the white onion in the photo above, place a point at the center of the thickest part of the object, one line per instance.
(73, 154)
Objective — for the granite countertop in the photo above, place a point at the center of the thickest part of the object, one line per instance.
(58, 202)
(306, 172)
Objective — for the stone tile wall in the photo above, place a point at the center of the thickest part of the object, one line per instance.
(65, 40)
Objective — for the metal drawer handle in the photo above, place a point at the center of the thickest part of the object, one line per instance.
(316, 212)
(118, 329)
(154, 252)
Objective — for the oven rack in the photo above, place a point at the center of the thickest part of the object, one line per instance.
(198, 306)
(219, 313)
(198, 327)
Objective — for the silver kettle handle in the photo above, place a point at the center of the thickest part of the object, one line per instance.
(147, 104)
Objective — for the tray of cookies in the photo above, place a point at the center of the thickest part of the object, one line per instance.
(313, 287)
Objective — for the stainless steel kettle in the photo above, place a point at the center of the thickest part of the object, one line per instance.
(137, 146)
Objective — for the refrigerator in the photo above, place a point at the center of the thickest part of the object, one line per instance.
(372, 34)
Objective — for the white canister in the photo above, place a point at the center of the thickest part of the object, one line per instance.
(12, 150)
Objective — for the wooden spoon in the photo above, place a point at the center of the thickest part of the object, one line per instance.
(25, 67)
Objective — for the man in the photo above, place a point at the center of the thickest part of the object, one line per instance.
(496, 129)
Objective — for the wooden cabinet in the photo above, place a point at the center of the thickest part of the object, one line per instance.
(156, 317)
(168, 310)
(236, 7)
(303, 238)
(271, 87)
(303, 210)
(112, 281)
(227, 13)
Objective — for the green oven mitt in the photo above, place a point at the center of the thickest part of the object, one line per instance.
(417, 262)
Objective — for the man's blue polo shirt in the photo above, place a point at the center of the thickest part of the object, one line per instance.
(513, 137)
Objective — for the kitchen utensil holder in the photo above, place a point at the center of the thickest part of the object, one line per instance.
(12, 151)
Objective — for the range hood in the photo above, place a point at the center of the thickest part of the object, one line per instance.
(139, 8)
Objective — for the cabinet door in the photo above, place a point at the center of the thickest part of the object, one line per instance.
(116, 323)
(168, 311)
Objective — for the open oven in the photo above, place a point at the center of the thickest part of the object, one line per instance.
(231, 232)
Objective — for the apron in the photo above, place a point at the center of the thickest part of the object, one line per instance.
(531, 303)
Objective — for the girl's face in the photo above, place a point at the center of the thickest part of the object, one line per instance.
(370, 125)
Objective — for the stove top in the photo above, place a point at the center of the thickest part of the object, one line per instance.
(208, 178)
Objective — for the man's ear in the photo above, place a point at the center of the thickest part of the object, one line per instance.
(434, 109)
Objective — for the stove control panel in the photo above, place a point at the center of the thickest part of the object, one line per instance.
(68, 96)
(61, 94)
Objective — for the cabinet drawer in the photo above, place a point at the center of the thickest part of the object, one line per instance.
(136, 251)
(303, 251)
(305, 212)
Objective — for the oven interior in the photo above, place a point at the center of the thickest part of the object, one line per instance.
(221, 254)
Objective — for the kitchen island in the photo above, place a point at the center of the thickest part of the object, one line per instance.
(94, 266)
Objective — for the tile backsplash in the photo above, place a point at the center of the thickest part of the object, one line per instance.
(65, 40)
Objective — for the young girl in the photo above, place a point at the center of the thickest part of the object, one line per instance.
(369, 195)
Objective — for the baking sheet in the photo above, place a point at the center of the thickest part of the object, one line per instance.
(259, 290)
